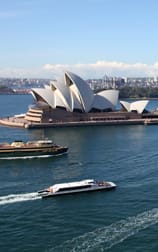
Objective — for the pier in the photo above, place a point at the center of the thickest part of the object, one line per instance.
(22, 123)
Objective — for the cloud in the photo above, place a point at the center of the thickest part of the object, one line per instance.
(111, 68)
(91, 70)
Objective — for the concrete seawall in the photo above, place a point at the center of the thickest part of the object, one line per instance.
(10, 123)
(16, 122)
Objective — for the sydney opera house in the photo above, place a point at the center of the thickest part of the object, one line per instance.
(70, 101)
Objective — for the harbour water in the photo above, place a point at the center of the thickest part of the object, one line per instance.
(125, 219)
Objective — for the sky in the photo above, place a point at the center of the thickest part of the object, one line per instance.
(91, 38)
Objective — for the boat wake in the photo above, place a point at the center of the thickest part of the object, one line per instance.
(105, 238)
(31, 157)
(13, 198)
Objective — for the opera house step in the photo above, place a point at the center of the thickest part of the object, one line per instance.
(34, 115)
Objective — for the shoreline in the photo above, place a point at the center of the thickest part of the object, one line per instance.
(21, 123)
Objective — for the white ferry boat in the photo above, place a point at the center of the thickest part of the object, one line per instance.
(87, 185)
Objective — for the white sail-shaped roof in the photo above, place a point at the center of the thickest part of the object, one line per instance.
(102, 103)
(62, 93)
(81, 89)
(126, 105)
(75, 103)
(110, 95)
(138, 106)
(72, 92)
(44, 94)
(106, 99)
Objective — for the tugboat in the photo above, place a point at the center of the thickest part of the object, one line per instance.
(39, 148)
(88, 185)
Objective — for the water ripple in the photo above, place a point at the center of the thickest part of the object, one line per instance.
(105, 238)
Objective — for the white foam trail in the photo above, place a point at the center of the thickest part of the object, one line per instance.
(31, 157)
(13, 198)
(104, 238)
(26, 157)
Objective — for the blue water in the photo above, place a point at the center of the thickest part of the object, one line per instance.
(125, 219)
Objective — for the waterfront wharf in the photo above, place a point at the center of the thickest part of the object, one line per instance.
(22, 123)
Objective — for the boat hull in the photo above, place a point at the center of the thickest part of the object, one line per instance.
(34, 152)
(92, 189)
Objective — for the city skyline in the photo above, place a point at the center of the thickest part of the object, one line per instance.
(44, 38)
